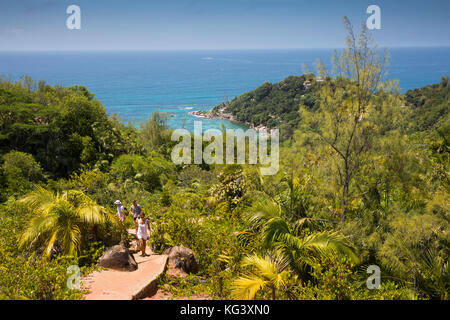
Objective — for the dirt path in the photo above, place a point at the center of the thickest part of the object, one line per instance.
(122, 285)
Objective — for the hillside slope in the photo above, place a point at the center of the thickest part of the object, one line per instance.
(273, 105)
(277, 105)
(430, 106)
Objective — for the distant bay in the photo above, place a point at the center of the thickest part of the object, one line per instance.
(135, 84)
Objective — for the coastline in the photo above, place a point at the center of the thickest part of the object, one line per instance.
(223, 115)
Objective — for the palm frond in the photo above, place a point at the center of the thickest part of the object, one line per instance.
(92, 213)
(50, 244)
(265, 267)
(39, 197)
(59, 218)
(247, 288)
(261, 212)
(274, 229)
(38, 225)
(327, 241)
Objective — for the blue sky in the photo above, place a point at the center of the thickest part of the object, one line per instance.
(212, 24)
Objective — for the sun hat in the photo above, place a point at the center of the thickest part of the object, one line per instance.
(117, 202)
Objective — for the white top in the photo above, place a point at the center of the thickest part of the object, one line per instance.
(142, 229)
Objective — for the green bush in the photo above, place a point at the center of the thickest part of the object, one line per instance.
(150, 173)
(20, 173)
(23, 275)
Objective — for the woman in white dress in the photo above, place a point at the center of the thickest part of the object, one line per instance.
(142, 232)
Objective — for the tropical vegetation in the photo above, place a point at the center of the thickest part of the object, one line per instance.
(363, 180)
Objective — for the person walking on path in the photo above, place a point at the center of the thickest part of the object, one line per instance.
(136, 210)
(142, 232)
(121, 210)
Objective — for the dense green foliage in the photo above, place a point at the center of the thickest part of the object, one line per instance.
(430, 106)
(63, 128)
(274, 105)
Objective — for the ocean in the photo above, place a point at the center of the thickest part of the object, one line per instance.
(135, 84)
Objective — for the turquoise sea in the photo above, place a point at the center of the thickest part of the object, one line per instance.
(135, 84)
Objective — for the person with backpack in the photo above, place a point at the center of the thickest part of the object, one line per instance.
(136, 210)
(121, 211)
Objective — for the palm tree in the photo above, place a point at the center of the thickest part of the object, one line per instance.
(425, 269)
(301, 251)
(59, 219)
(267, 273)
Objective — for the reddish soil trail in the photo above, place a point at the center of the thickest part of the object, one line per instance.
(122, 285)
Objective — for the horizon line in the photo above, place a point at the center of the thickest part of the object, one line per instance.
(207, 49)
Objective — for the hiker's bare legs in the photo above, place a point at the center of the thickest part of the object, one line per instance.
(142, 246)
